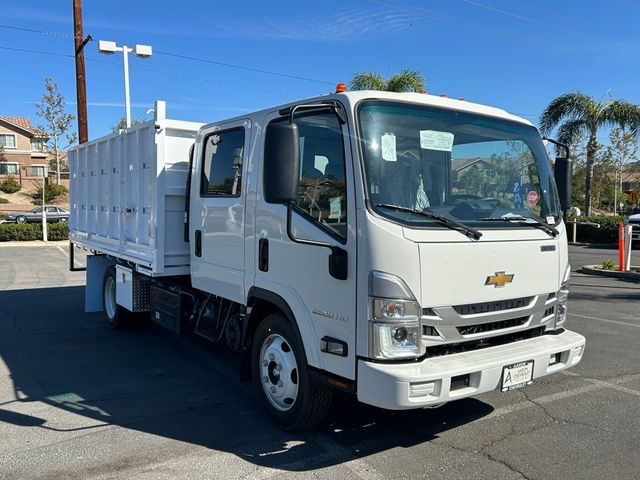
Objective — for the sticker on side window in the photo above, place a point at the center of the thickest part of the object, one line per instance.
(389, 147)
(434, 140)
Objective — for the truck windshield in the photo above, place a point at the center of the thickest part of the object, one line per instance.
(473, 169)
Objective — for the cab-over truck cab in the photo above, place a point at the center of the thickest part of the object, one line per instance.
(405, 247)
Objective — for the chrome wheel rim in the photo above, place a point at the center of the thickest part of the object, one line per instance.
(279, 372)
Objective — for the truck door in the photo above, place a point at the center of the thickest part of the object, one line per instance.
(218, 211)
(324, 306)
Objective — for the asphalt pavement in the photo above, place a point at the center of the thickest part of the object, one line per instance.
(78, 401)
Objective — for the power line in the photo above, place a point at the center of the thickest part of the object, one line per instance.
(39, 52)
(161, 72)
(42, 32)
(242, 67)
(187, 57)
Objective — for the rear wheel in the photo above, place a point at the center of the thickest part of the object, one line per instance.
(282, 378)
(21, 219)
(117, 317)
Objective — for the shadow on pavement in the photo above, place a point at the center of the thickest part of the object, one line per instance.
(149, 381)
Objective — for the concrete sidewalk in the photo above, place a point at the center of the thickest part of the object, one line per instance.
(35, 243)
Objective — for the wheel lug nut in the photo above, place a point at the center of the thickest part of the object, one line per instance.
(271, 356)
(265, 379)
(273, 389)
(265, 363)
(280, 383)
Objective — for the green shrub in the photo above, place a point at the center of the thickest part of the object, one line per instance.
(607, 233)
(56, 231)
(3, 200)
(10, 185)
(12, 232)
(51, 192)
(609, 265)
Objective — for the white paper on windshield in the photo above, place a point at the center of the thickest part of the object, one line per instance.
(434, 140)
(389, 147)
(335, 208)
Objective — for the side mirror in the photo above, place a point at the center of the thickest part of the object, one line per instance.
(563, 174)
(281, 163)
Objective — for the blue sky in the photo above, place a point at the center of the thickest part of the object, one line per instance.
(513, 54)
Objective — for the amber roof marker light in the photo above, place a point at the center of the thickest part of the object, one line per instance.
(341, 87)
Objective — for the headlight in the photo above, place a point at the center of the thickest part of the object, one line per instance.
(563, 295)
(394, 323)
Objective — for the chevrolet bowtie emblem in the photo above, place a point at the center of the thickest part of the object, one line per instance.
(499, 279)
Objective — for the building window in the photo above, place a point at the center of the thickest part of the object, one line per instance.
(37, 170)
(38, 145)
(8, 140)
(7, 168)
(222, 164)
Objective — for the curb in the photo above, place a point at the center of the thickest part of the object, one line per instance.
(593, 270)
(35, 243)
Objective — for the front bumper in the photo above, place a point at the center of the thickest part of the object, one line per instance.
(402, 386)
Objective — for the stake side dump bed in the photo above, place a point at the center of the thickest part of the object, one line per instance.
(127, 194)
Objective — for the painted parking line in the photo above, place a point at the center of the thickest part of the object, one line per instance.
(594, 384)
(606, 320)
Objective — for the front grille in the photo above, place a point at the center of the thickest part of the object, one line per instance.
(440, 350)
(486, 307)
(491, 326)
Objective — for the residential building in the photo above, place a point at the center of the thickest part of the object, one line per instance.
(23, 152)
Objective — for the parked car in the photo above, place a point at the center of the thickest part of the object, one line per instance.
(54, 214)
(634, 221)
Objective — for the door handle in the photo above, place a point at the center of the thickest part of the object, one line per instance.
(198, 247)
(263, 255)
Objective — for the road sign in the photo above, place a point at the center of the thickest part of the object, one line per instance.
(634, 196)
(532, 197)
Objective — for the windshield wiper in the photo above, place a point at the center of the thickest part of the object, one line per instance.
(530, 221)
(447, 222)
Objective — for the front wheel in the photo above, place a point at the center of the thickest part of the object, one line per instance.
(282, 378)
(21, 219)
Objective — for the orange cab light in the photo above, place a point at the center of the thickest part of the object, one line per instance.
(341, 87)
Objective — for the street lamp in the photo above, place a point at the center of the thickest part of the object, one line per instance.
(44, 207)
(142, 51)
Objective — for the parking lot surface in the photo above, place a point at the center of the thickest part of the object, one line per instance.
(78, 401)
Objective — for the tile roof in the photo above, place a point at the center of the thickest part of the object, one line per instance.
(23, 123)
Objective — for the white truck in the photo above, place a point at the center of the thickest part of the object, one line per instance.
(404, 247)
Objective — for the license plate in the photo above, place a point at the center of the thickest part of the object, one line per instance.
(517, 375)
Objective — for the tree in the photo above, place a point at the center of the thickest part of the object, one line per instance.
(404, 81)
(582, 114)
(58, 122)
(122, 124)
(621, 156)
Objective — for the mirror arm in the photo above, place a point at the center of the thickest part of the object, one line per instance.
(337, 108)
(559, 144)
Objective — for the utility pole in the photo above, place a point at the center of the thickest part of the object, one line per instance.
(81, 84)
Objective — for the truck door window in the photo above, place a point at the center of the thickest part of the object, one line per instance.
(322, 191)
(222, 163)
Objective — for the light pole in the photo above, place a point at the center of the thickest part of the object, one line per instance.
(44, 207)
(142, 51)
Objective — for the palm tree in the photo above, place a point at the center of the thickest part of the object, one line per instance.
(404, 81)
(584, 115)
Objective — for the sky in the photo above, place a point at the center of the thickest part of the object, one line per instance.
(214, 60)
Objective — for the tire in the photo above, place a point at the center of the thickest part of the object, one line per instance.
(117, 317)
(291, 398)
(21, 219)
